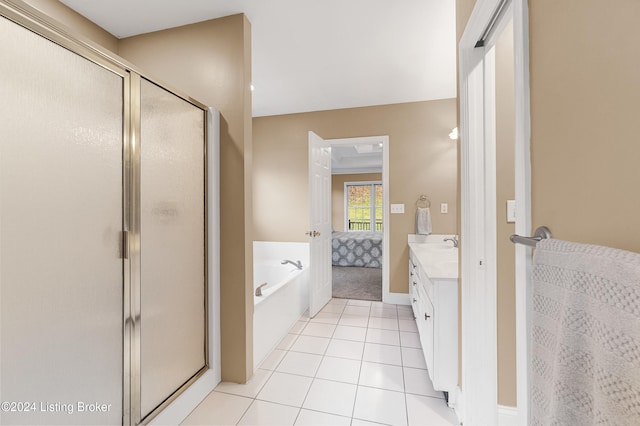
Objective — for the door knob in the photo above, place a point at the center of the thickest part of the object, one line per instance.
(312, 233)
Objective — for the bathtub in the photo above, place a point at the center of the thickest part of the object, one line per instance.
(285, 297)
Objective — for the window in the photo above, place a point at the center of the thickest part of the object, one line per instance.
(363, 206)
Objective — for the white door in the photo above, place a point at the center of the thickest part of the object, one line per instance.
(319, 223)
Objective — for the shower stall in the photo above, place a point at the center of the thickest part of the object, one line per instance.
(103, 232)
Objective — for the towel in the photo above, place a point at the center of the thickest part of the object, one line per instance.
(585, 335)
(423, 221)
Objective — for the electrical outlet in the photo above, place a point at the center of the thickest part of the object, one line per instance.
(444, 208)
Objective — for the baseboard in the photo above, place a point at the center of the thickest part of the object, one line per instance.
(458, 404)
(507, 416)
(182, 406)
(396, 298)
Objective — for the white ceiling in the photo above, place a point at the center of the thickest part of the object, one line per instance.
(311, 55)
(356, 158)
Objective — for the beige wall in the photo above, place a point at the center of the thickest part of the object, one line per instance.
(505, 190)
(211, 61)
(78, 23)
(422, 161)
(337, 194)
(585, 94)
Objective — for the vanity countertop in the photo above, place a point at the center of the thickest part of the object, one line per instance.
(439, 259)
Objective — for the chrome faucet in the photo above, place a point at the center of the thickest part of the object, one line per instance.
(297, 264)
(259, 289)
(454, 240)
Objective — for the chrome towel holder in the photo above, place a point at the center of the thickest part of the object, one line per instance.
(423, 202)
(541, 233)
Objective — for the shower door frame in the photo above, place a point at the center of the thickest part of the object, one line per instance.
(42, 25)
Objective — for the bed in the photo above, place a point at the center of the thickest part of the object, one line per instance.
(357, 248)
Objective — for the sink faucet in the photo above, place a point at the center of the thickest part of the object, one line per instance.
(454, 240)
(297, 264)
(259, 289)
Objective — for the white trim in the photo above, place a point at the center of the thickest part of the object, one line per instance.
(176, 412)
(398, 299)
(523, 200)
(384, 140)
(477, 117)
(507, 416)
(458, 404)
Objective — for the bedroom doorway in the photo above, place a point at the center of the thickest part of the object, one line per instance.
(360, 224)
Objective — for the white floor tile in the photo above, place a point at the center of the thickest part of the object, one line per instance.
(344, 332)
(326, 317)
(409, 340)
(362, 311)
(339, 369)
(405, 314)
(384, 313)
(345, 349)
(331, 308)
(414, 358)
(417, 382)
(318, 329)
(381, 406)
(249, 389)
(385, 337)
(287, 341)
(273, 359)
(341, 302)
(384, 354)
(331, 397)
(315, 418)
(298, 327)
(427, 411)
(383, 323)
(311, 345)
(354, 320)
(268, 413)
(381, 376)
(219, 409)
(353, 302)
(408, 325)
(358, 422)
(382, 305)
(287, 389)
(300, 363)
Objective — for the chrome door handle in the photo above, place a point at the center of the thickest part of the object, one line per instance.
(426, 317)
(312, 233)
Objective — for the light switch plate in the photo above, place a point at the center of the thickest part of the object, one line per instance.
(511, 211)
(397, 208)
(444, 208)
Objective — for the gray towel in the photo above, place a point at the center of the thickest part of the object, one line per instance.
(585, 335)
(423, 221)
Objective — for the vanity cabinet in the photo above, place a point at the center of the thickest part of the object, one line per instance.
(435, 307)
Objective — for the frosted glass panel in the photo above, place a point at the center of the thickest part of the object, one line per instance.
(61, 277)
(172, 243)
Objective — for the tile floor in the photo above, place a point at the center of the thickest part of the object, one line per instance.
(356, 363)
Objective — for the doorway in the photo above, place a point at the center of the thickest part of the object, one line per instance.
(319, 193)
(481, 212)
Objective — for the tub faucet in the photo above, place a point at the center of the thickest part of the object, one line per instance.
(297, 264)
(259, 289)
(454, 240)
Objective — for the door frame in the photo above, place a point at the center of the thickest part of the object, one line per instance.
(387, 296)
(478, 255)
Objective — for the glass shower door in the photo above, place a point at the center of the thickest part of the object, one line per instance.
(172, 242)
(61, 217)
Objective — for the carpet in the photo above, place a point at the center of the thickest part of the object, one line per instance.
(352, 282)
